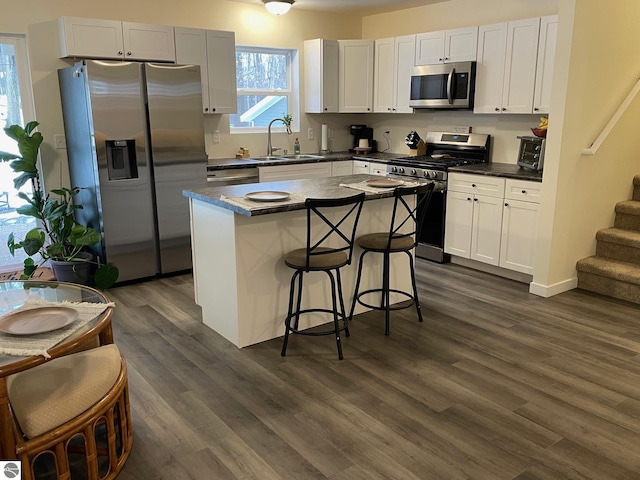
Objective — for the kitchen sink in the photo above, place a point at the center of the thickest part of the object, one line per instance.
(287, 157)
(300, 157)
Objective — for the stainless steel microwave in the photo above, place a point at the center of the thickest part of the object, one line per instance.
(442, 86)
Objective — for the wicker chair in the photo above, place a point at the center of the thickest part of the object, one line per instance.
(72, 416)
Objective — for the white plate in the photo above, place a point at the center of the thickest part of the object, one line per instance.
(384, 183)
(437, 157)
(37, 320)
(267, 196)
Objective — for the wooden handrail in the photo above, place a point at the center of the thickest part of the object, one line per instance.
(607, 129)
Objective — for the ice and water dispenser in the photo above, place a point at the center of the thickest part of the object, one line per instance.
(121, 159)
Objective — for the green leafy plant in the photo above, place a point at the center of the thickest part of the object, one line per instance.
(287, 119)
(58, 236)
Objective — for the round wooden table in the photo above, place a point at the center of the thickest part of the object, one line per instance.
(13, 295)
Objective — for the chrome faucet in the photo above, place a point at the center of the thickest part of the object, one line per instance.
(270, 149)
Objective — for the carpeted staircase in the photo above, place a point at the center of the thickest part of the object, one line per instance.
(615, 269)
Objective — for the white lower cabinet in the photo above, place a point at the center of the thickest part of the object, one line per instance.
(276, 173)
(369, 168)
(498, 225)
(520, 226)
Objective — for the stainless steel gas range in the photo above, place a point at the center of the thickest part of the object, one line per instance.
(444, 150)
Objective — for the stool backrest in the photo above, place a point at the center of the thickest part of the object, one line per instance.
(407, 220)
(335, 235)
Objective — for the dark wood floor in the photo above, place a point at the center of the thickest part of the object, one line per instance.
(495, 384)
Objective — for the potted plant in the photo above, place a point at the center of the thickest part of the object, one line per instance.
(58, 238)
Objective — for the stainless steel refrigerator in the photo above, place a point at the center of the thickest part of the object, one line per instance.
(135, 140)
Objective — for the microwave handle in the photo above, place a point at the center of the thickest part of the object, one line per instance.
(450, 86)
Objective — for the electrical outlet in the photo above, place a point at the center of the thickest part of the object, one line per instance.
(310, 134)
(60, 141)
(216, 136)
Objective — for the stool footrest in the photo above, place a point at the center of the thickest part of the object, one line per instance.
(395, 306)
(323, 332)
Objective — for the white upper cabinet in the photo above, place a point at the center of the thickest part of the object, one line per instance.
(505, 74)
(214, 51)
(446, 46)
(95, 38)
(321, 75)
(355, 76)
(544, 69)
(394, 59)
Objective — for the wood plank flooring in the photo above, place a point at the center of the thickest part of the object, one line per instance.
(494, 384)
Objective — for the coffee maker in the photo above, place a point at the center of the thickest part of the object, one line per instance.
(362, 139)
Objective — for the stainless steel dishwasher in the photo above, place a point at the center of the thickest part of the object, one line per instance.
(232, 176)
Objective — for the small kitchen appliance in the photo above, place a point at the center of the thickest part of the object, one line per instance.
(362, 139)
(531, 153)
(443, 151)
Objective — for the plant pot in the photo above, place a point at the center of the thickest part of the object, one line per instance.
(74, 271)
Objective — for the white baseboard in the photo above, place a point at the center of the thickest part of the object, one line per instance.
(485, 267)
(555, 289)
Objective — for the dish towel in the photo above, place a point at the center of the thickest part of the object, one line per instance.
(255, 205)
(39, 344)
(364, 186)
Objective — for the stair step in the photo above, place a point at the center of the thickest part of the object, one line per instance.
(610, 277)
(628, 215)
(619, 244)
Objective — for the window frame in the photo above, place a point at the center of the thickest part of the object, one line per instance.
(292, 93)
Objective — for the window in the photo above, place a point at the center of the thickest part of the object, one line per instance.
(15, 108)
(267, 82)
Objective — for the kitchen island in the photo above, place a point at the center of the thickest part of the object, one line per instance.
(240, 279)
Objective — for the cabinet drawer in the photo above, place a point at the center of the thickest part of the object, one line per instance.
(476, 184)
(522, 190)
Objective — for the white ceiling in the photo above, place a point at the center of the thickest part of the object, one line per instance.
(367, 7)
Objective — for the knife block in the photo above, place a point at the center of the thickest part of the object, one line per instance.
(421, 149)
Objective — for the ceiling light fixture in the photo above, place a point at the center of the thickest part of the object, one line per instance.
(278, 7)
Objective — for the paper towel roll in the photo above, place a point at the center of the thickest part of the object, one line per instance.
(324, 143)
(363, 143)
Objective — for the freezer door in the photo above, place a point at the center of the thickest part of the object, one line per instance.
(174, 98)
(116, 94)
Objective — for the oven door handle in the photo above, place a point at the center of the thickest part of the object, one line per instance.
(450, 86)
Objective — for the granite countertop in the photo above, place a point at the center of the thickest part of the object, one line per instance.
(231, 197)
(225, 163)
(506, 170)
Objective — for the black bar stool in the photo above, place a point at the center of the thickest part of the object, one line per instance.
(331, 252)
(402, 237)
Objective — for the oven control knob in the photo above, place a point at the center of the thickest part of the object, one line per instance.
(425, 174)
(394, 169)
(413, 172)
(401, 170)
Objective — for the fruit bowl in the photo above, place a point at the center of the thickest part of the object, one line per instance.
(539, 132)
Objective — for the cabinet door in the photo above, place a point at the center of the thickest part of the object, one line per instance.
(458, 224)
(221, 69)
(360, 166)
(144, 41)
(405, 48)
(384, 75)
(492, 42)
(544, 68)
(90, 37)
(461, 45)
(321, 75)
(355, 75)
(278, 173)
(486, 229)
(378, 169)
(430, 48)
(519, 233)
(191, 49)
(341, 168)
(520, 66)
